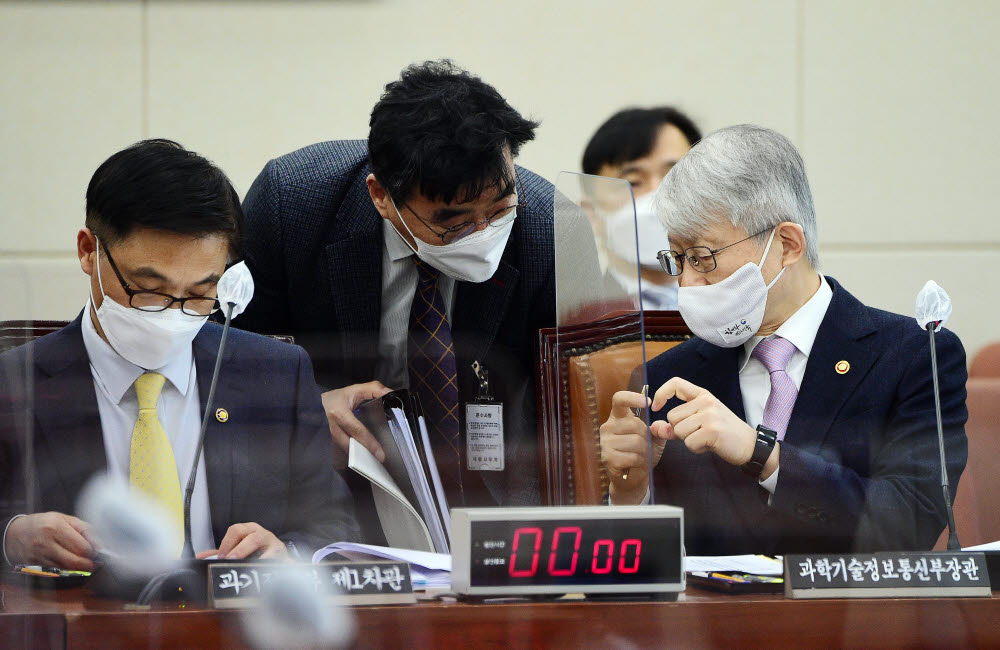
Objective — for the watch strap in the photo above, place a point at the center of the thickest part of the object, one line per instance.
(766, 440)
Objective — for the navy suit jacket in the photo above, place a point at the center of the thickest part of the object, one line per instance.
(859, 465)
(314, 242)
(270, 463)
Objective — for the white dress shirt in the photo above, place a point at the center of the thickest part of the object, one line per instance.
(755, 382)
(399, 285)
(178, 409)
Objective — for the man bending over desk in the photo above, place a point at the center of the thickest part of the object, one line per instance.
(797, 419)
(122, 387)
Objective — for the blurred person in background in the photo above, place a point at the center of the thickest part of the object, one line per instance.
(640, 145)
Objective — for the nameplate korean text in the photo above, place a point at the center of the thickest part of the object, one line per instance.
(234, 585)
(886, 575)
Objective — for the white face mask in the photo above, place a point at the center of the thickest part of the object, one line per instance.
(728, 313)
(473, 258)
(651, 235)
(147, 339)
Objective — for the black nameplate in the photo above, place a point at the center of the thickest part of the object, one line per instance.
(886, 575)
(233, 585)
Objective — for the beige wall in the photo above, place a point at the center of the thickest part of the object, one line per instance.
(893, 104)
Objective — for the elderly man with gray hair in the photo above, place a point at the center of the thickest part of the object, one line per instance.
(797, 419)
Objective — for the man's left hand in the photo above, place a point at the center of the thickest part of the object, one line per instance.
(703, 423)
(246, 540)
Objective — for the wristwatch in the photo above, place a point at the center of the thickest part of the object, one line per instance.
(766, 439)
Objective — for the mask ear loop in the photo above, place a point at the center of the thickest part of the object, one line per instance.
(409, 245)
(763, 257)
(100, 282)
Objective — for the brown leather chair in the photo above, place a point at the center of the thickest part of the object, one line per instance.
(977, 500)
(17, 332)
(580, 370)
(986, 363)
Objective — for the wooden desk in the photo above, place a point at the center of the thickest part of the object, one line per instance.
(77, 619)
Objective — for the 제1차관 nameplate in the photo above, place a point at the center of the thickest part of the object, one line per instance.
(887, 575)
(239, 585)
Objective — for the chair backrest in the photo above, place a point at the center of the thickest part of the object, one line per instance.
(986, 363)
(580, 369)
(594, 377)
(18, 332)
(977, 500)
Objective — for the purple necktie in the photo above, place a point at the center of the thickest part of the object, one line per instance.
(775, 353)
(431, 354)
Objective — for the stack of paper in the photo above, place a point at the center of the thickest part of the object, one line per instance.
(407, 490)
(761, 565)
(428, 570)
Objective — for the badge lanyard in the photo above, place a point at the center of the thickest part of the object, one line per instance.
(484, 427)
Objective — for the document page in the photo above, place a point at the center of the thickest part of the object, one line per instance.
(402, 526)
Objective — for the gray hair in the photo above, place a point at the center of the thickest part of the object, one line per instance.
(748, 175)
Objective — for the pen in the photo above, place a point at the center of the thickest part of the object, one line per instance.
(637, 413)
(39, 572)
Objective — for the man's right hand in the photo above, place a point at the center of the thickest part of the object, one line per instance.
(51, 539)
(340, 405)
(625, 447)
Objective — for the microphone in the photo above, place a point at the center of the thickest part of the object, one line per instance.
(235, 291)
(933, 309)
(296, 612)
(132, 529)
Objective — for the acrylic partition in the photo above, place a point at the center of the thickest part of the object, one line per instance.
(598, 346)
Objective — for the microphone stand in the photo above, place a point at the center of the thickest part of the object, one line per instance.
(188, 551)
(953, 544)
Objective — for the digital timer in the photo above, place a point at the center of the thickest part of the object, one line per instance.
(567, 549)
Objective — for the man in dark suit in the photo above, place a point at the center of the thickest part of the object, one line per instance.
(122, 388)
(798, 419)
(353, 244)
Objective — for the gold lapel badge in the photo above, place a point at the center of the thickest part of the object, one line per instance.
(842, 367)
(222, 415)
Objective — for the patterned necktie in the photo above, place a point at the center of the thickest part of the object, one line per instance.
(152, 468)
(775, 353)
(431, 354)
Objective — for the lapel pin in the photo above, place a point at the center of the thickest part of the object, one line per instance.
(221, 415)
(842, 367)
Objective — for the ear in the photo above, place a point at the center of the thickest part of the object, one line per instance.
(86, 250)
(793, 243)
(380, 198)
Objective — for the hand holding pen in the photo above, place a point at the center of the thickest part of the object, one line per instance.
(638, 413)
(626, 447)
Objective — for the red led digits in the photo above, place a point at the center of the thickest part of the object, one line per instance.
(637, 543)
(577, 534)
(598, 545)
(512, 566)
(602, 556)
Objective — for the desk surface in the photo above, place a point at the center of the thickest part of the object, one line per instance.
(77, 619)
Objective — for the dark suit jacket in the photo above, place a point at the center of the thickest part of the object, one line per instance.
(314, 241)
(859, 466)
(270, 463)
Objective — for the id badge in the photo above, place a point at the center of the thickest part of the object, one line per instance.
(484, 436)
(484, 448)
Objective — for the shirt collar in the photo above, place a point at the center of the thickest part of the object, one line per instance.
(802, 326)
(117, 374)
(395, 245)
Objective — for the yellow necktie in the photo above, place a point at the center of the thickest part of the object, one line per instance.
(152, 468)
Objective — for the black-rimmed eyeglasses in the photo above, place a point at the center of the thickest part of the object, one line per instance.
(466, 228)
(700, 258)
(154, 301)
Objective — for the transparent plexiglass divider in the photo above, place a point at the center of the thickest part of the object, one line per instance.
(598, 346)
(17, 391)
